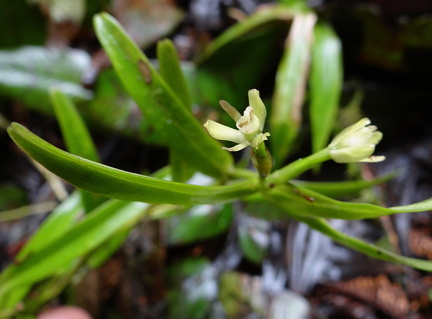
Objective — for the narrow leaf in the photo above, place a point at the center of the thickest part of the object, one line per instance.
(344, 188)
(163, 108)
(77, 137)
(325, 84)
(110, 182)
(368, 249)
(171, 72)
(290, 86)
(98, 226)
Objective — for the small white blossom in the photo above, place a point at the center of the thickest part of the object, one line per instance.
(356, 143)
(249, 125)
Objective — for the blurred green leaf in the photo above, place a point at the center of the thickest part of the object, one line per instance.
(286, 113)
(176, 125)
(193, 289)
(77, 137)
(253, 238)
(325, 84)
(198, 223)
(35, 70)
(252, 48)
(21, 24)
(110, 182)
(82, 238)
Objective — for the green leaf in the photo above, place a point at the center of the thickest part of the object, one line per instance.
(171, 72)
(343, 188)
(286, 113)
(198, 223)
(77, 137)
(169, 116)
(55, 225)
(82, 238)
(325, 84)
(34, 70)
(110, 182)
(298, 201)
(371, 250)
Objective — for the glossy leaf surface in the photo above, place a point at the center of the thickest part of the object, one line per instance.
(325, 84)
(110, 182)
(286, 113)
(167, 113)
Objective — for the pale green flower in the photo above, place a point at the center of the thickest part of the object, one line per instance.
(249, 125)
(356, 143)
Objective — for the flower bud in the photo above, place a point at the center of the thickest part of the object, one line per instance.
(356, 143)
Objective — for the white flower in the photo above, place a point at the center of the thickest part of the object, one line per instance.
(356, 143)
(249, 125)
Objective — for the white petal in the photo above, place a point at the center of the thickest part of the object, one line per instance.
(237, 147)
(373, 159)
(249, 122)
(258, 106)
(224, 133)
(231, 110)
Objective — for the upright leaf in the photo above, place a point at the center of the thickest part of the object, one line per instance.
(77, 137)
(325, 84)
(171, 72)
(286, 114)
(168, 114)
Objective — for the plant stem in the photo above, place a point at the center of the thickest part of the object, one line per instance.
(298, 167)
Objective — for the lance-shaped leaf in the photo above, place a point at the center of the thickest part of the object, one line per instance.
(163, 108)
(368, 249)
(110, 182)
(290, 86)
(77, 138)
(325, 84)
(341, 189)
(171, 72)
(56, 257)
(303, 202)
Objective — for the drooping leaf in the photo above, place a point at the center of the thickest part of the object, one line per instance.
(110, 182)
(176, 125)
(34, 70)
(325, 84)
(286, 113)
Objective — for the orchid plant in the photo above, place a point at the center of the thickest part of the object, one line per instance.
(115, 200)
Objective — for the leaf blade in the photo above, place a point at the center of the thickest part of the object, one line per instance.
(110, 182)
(325, 84)
(179, 129)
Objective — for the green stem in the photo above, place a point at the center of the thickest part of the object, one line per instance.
(298, 167)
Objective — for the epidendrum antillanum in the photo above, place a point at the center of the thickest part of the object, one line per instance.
(355, 143)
